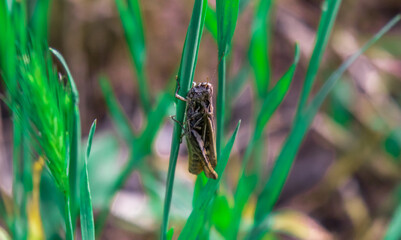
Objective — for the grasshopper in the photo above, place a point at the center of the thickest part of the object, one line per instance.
(199, 129)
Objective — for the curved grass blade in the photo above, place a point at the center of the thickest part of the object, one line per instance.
(121, 120)
(271, 191)
(86, 211)
(195, 220)
(185, 76)
(330, 10)
(131, 20)
(250, 175)
(275, 97)
(259, 47)
(75, 141)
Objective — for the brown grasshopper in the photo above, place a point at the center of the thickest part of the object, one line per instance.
(199, 129)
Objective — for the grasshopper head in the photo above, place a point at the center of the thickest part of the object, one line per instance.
(201, 92)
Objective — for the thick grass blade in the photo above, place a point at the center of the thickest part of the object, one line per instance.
(121, 120)
(185, 78)
(39, 20)
(195, 220)
(211, 22)
(227, 14)
(86, 211)
(7, 49)
(131, 20)
(259, 47)
(271, 191)
(250, 175)
(330, 10)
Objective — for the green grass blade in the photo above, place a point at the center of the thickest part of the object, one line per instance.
(195, 220)
(87, 223)
(394, 229)
(283, 163)
(69, 235)
(131, 19)
(170, 234)
(259, 47)
(39, 20)
(329, 84)
(220, 105)
(211, 22)
(20, 220)
(275, 97)
(185, 76)
(71, 81)
(19, 16)
(227, 14)
(250, 175)
(7, 49)
(330, 10)
(121, 120)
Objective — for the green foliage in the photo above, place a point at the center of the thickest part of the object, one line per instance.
(279, 174)
(46, 123)
(394, 230)
(251, 169)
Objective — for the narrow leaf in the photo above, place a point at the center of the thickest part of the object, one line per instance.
(87, 222)
(330, 9)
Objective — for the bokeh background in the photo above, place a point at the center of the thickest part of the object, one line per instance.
(346, 177)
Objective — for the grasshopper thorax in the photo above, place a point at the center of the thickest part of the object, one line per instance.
(200, 92)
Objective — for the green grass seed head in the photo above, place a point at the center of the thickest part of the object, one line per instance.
(47, 103)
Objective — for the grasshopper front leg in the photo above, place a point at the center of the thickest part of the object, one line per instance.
(178, 88)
